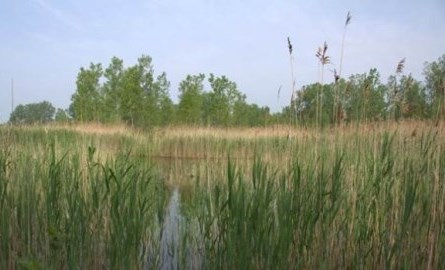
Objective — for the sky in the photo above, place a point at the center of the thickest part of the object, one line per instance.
(44, 43)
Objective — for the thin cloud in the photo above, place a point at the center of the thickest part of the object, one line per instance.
(59, 15)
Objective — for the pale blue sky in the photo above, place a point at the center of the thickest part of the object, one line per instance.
(45, 42)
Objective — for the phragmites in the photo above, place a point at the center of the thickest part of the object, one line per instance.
(336, 76)
(347, 22)
(321, 54)
(399, 70)
(348, 19)
(337, 105)
(289, 45)
(397, 100)
(293, 97)
(400, 66)
(324, 59)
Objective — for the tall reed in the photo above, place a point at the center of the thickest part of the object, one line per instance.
(248, 198)
(338, 110)
(368, 203)
(63, 207)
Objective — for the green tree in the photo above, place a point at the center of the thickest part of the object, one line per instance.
(33, 113)
(435, 86)
(206, 108)
(168, 111)
(132, 97)
(413, 102)
(87, 103)
(191, 99)
(163, 105)
(309, 109)
(149, 97)
(285, 114)
(111, 90)
(142, 100)
(243, 113)
(222, 100)
(61, 115)
(306, 104)
(365, 97)
(251, 115)
(157, 106)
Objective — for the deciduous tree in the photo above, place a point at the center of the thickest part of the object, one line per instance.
(87, 103)
(41, 112)
(435, 85)
(191, 99)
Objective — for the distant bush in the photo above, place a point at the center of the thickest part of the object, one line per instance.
(33, 113)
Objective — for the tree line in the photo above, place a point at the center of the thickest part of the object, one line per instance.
(365, 97)
(135, 95)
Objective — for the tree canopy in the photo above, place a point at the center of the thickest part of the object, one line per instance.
(33, 113)
(139, 96)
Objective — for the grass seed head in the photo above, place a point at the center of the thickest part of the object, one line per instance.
(400, 66)
(348, 19)
(289, 45)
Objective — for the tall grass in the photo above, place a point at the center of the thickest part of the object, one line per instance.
(338, 108)
(324, 59)
(376, 206)
(63, 207)
(372, 197)
(292, 106)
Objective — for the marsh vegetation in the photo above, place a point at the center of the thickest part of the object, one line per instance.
(95, 197)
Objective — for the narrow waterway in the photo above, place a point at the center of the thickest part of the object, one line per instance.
(170, 237)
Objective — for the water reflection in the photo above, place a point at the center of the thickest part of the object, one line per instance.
(170, 237)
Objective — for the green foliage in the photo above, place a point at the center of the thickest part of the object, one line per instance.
(365, 97)
(132, 95)
(221, 101)
(363, 202)
(167, 111)
(435, 85)
(86, 101)
(250, 115)
(191, 99)
(41, 112)
(61, 115)
(111, 90)
(413, 103)
(138, 97)
(306, 103)
(345, 200)
(162, 107)
(66, 206)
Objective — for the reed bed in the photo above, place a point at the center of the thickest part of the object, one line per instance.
(66, 205)
(381, 206)
(368, 196)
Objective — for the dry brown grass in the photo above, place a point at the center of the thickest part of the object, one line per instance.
(247, 133)
(96, 128)
(277, 142)
(85, 128)
(282, 131)
(228, 133)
